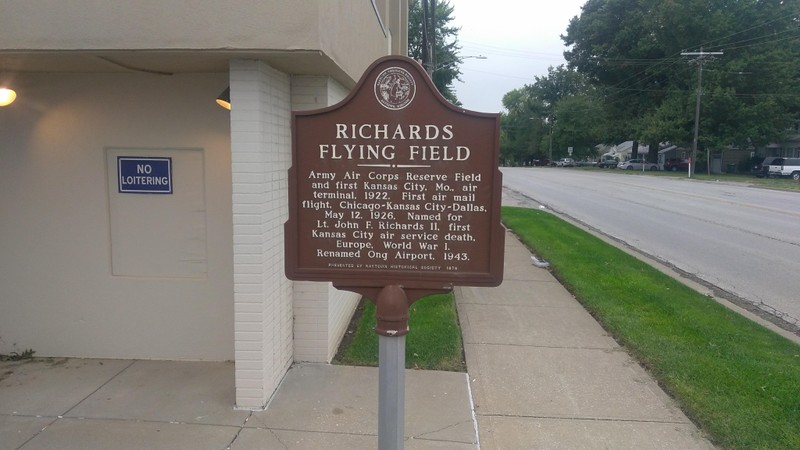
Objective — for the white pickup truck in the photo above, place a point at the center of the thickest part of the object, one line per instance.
(781, 167)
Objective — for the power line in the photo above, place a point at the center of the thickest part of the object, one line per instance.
(791, 16)
(509, 51)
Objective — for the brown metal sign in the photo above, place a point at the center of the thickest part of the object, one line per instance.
(395, 185)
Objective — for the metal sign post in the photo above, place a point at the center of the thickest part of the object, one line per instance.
(392, 327)
(391, 391)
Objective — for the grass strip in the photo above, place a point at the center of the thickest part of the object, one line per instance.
(782, 184)
(738, 380)
(433, 342)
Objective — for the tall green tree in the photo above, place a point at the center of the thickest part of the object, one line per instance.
(445, 63)
(523, 128)
(577, 126)
(631, 50)
(557, 111)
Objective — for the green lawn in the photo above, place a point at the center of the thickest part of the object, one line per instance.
(739, 381)
(433, 342)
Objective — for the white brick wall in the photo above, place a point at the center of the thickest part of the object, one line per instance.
(341, 306)
(336, 92)
(275, 320)
(322, 312)
(260, 158)
(311, 321)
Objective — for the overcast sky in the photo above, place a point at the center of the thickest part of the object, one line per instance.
(520, 39)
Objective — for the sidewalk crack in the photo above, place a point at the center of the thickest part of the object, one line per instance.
(100, 387)
(588, 419)
(452, 425)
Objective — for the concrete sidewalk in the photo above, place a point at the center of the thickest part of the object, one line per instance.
(542, 373)
(88, 404)
(545, 375)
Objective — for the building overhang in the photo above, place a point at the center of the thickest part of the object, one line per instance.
(168, 62)
(338, 38)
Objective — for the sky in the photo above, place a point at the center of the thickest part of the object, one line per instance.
(520, 40)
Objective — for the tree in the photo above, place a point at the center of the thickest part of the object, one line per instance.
(557, 111)
(630, 50)
(577, 126)
(522, 129)
(445, 61)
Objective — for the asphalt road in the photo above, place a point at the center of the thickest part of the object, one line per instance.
(741, 240)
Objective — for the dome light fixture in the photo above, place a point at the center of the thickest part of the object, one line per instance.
(7, 96)
(224, 99)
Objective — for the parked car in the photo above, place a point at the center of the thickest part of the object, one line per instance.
(757, 169)
(637, 164)
(586, 163)
(608, 164)
(566, 162)
(791, 168)
(773, 166)
(675, 164)
(541, 162)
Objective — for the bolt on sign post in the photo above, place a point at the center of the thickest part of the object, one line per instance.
(395, 194)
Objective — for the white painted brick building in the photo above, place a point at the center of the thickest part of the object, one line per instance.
(89, 271)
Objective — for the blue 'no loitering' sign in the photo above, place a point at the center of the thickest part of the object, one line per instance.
(144, 175)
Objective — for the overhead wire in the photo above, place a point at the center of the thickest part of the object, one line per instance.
(763, 24)
(675, 58)
(654, 65)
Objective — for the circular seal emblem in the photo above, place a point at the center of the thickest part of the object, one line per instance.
(395, 88)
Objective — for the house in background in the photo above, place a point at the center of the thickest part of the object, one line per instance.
(623, 151)
(732, 160)
(92, 269)
(729, 160)
(790, 148)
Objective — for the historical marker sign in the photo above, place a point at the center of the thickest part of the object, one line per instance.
(395, 185)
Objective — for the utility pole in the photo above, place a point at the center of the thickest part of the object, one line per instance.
(428, 35)
(701, 55)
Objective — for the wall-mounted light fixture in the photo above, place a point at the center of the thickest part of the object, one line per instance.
(7, 96)
(224, 99)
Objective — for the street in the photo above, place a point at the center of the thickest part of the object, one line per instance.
(742, 240)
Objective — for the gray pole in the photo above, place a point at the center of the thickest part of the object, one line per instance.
(700, 55)
(391, 315)
(696, 117)
(391, 391)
